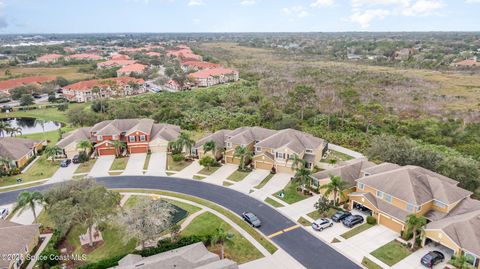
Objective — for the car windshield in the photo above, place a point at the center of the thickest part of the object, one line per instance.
(252, 217)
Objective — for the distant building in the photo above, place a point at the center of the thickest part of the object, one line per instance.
(19, 150)
(17, 242)
(467, 63)
(184, 53)
(49, 58)
(83, 56)
(354, 57)
(127, 70)
(210, 77)
(119, 57)
(173, 85)
(7, 85)
(197, 65)
(195, 256)
(153, 54)
(115, 63)
(403, 54)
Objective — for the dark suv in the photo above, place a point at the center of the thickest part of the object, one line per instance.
(352, 220)
(432, 258)
(340, 215)
(76, 159)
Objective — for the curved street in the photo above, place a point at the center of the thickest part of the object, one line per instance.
(300, 244)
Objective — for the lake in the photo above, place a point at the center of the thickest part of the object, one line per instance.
(32, 125)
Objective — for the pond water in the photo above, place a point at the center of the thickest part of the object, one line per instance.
(32, 125)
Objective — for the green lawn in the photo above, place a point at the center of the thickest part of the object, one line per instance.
(187, 207)
(227, 184)
(119, 164)
(41, 169)
(237, 248)
(207, 172)
(23, 186)
(198, 177)
(176, 166)
(336, 157)
(85, 167)
(357, 230)
(264, 181)
(316, 215)
(147, 161)
(370, 264)
(391, 253)
(238, 176)
(273, 202)
(304, 222)
(291, 195)
(52, 114)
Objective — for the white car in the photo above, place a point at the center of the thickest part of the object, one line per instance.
(3, 213)
(321, 224)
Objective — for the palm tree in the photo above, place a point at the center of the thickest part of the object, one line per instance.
(4, 127)
(29, 200)
(297, 162)
(119, 146)
(336, 186)
(220, 237)
(185, 142)
(414, 224)
(209, 146)
(5, 163)
(14, 131)
(98, 91)
(303, 175)
(52, 151)
(42, 124)
(84, 145)
(244, 154)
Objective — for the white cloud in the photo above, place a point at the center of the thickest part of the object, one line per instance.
(423, 8)
(297, 11)
(196, 2)
(364, 18)
(322, 3)
(248, 2)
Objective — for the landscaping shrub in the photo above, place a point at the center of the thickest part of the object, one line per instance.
(371, 220)
(103, 264)
(178, 157)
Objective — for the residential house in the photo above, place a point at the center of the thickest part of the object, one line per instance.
(173, 85)
(83, 56)
(115, 63)
(194, 256)
(210, 77)
(19, 150)
(153, 54)
(219, 137)
(7, 85)
(69, 142)
(184, 53)
(394, 194)
(467, 63)
(17, 242)
(127, 70)
(49, 58)
(116, 57)
(85, 91)
(403, 54)
(197, 65)
(139, 136)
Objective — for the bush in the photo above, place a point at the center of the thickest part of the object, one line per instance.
(103, 264)
(83, 156)
(178, 157)
(371, 220)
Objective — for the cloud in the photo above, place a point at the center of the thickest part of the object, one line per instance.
(364, 18)
(196, 2)
(297, 11)
(423, 8)
(248, 2)
(322, 3)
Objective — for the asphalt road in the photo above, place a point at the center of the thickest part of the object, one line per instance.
(300, 244)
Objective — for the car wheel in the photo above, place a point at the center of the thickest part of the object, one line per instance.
(331, 224)
(321, 229)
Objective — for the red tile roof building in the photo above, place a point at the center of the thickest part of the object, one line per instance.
(184, 53)
(7, 85)
(467, 63)
(132, 68)
(198, 65)
(84, 56)
(210, 77)
(84, 91)
(49, 58)
(115, 63)
(119, 57)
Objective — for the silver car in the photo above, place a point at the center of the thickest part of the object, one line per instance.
(3, 213)
(321, 224)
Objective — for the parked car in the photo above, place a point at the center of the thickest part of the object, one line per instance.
(432, 258)
(340, 215)
(361, 208)
(65, 163)
(3, 213)
(321, 224)
(251, 219)
(76, 159)
(352, 220)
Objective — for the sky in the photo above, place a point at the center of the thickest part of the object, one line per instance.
(114, 16)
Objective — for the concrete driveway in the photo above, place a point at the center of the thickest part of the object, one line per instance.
(413, 261)
(250, 181)
(157, 164)
(221, 174)
(190, 170)
(64, 173)
(101, 166)
(275, 184)
(135, 164)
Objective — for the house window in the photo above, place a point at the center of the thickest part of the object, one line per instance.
(309, 151)
(409, 207)
(387, 198)
(379, 194)
(131, 138)
(99, 138)
(361, 186)
(366, 174)
(258, 149)
(471, 259)
(290, 156)
(229, 145)
(280, 155)
(439, 204)
(143, 138)
(419, 208)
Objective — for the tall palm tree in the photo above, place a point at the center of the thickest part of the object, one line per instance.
(221, 236)
(4, 127)
(414, 224)
(244, 154)
(185, 142)
(209, 146)
(303, 175)
(84, 145)
(29, 200)
(52, 151)
(5, 163)
(42, 124)
(98, 91)
(297, 162)
(119, 146)
(336, 186)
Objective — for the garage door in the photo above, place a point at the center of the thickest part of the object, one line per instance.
(143, 149)
(232, 160)
(390, 223)
(266, 166)
(158, 148)
(284, 169)
(106, 151)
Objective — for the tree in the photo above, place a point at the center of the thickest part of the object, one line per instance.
(207, 161)
(244, 154)
(175, 232)
(220, 236)
(297, 162)
(5, 126)
(209, 146)
(29, 200)
(84, 145)
(414, 224)
(371, 112)
(26, 100)
(119, 147)
(61, 81)
(303, 175)
(323, 205)
(52, 151)
(303, 96)
(6, 164)
(185, 142)
(350, 98)
(336, 186)
(13, 131)
(147, 220)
